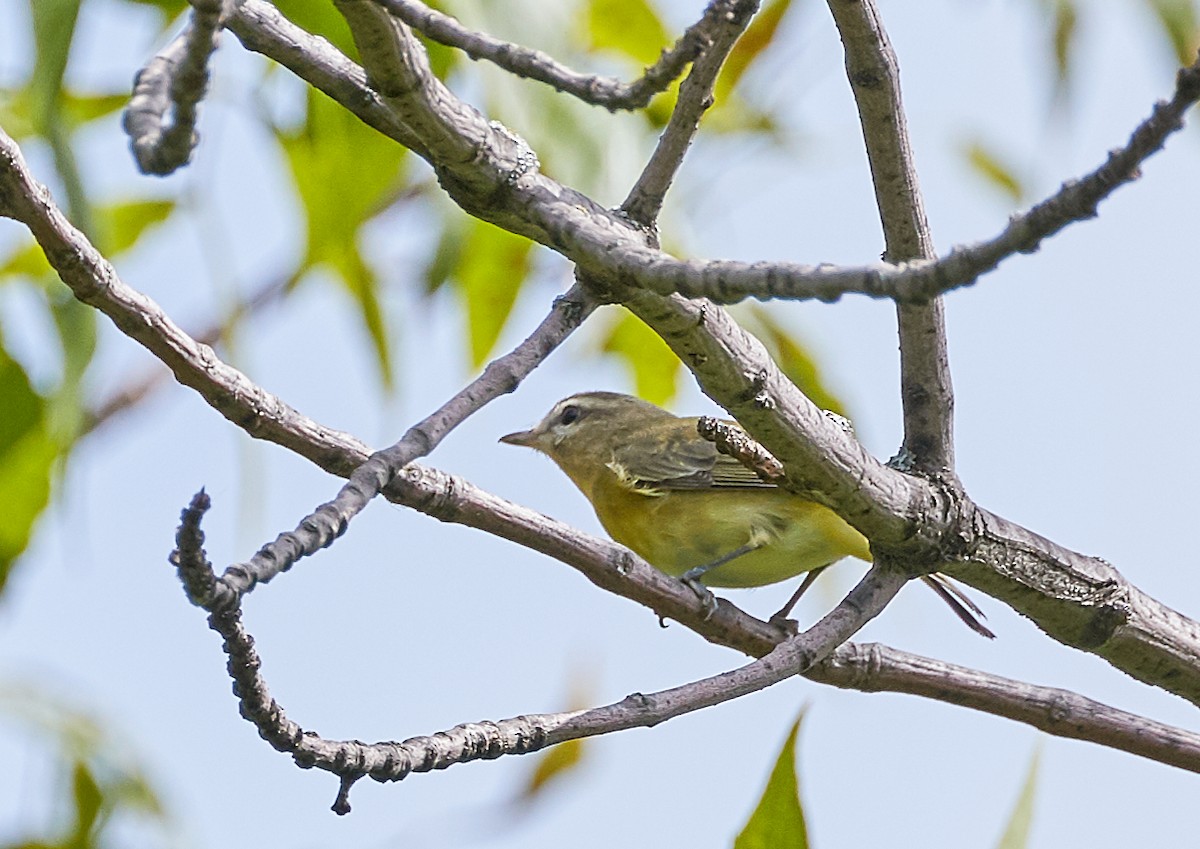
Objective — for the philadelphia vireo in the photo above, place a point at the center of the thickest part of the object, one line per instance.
(664, 491)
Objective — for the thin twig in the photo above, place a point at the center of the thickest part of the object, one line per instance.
(351, 760)
(603, 91)
(329, 521)
(734, 442)
(174, 81)
(695, 97)
(926, 390)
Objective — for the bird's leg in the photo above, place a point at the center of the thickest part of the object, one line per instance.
(781, 616)
(692, 576)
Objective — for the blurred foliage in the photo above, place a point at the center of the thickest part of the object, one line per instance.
(345, 174)
(791, 356)
(560, 762)
(96, 787)
(652, 364)
(778, 819)
(1177, 20)
(987, 164)
(486, 265)
(1020, 821)
(27, 454)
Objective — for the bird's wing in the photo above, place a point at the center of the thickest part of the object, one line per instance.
(683, 460)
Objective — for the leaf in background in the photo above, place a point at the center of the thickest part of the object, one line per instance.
(89, 799)
(778, 820)
(53, 29)
(487, 267)
(76, 325)
(791, 356)
(27, 454)
(121, 225)
(1179, 24)
(654, 366)
(559, 762)
(98, 783)
(753, 43)
(322, 19)
(345, 173)
(1066, 24)
(170, 8)
(629, 27)
(1016, 832)
(985, 163)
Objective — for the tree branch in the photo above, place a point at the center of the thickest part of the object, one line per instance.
(695, 97)
(1104, 614)
(394, 761)
(533, 64)
(452, 499)
(877, 668)
(175, 80)
(611, 249)
(926, 390)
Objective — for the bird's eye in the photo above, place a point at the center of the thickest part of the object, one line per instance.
(570, 414)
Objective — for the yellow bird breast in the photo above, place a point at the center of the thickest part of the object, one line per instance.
(677, 530)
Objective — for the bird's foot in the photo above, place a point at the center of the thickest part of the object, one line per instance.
(708, 601)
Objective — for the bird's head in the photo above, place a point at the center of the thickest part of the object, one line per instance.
(587, 422)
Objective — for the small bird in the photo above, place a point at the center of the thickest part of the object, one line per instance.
(665, 492)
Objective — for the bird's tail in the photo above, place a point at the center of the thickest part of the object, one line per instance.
(960, 603)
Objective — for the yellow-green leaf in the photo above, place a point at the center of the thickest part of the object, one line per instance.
(27, 455)
(792, 357)
(346, 173)
(778, 820)
(753, 43)
(1066, 21)
(988, 165)
(653, 365)
(88, 799)
(629, 27)
(492, 265)
(123, 224)
(1179, 24)
(1016, 831)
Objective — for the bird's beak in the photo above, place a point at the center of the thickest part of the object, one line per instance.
(527, 438)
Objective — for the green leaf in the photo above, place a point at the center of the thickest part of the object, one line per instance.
(1016, 832)
(53, 29)
(82, 108)
(1179, 24)
(321, 19)
(27, 456)
(123, 224)
(629, 27)
(778, 820)
(791, 356)
(345, 173)
(654, 366)
(987, 164)
(89, 799)
(1066, 24)
(77, 329)
(27, 261)
(753, 43)
(491, 264)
